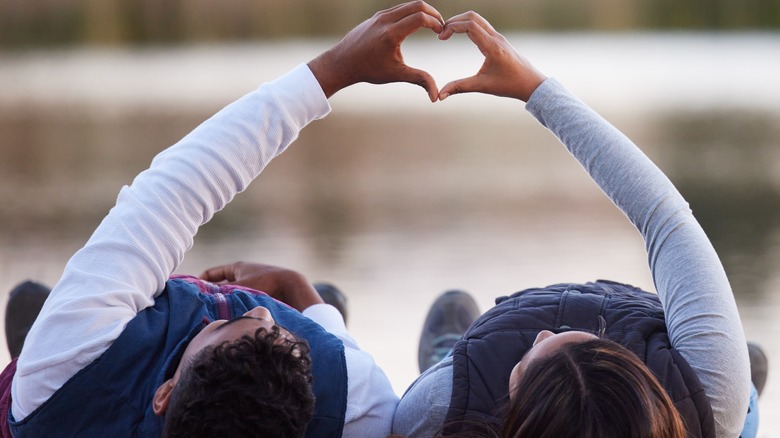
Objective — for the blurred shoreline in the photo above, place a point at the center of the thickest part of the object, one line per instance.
(396, 199)
(26, 24)
(617, 71)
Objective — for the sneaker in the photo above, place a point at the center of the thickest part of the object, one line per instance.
(759, 366)
(333, 296)
(448, 319)
(24, 304)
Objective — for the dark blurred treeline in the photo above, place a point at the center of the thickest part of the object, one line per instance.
(43, 23)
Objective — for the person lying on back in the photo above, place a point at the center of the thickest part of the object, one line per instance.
(121, 349)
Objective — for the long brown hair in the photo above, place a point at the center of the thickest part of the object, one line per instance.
(591, 389)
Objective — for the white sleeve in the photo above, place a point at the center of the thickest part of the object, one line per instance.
(142, 240)
(371, 401)
(700, 310)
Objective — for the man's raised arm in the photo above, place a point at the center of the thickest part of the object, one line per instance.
(142, 240)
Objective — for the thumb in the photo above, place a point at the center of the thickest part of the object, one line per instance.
(465, 85)
(423, 79)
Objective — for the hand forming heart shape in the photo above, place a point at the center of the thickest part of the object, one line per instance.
(371, 52)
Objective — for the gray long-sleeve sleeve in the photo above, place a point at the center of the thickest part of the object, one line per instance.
(701, 314)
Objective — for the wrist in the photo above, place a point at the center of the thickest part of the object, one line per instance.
(298, 293)
(530, 79)
(323, 67)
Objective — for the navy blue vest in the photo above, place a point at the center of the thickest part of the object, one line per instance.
(483, 359)
(113, 395)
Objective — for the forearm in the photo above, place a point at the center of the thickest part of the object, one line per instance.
(143, 239)
(701, 313)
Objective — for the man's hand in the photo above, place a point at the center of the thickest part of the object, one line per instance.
(283, 284)
(371, 52)
(504, 73)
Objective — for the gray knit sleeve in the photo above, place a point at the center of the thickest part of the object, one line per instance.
(701, 313)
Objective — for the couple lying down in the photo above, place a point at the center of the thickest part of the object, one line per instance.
(121, 347)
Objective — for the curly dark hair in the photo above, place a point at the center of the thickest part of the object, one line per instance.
(256, 386)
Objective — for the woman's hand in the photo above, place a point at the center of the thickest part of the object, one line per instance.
(285, 285)
(504, 73)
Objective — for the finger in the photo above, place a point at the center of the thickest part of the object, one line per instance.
(410, 24)
(220, 273)
(465, 85)
(421, 78)
(392, 12)
(402, 11)
(462, 26)
(476, 33)
(472, 16)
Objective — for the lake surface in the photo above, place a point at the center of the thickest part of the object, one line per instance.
(395, 199)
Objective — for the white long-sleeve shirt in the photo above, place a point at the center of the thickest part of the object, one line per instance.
(142, 240)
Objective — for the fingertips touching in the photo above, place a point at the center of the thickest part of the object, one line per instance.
(467, 22)
(446, 33)
(471, 16)
(477, 34)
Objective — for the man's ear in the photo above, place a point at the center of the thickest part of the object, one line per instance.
(162, 396)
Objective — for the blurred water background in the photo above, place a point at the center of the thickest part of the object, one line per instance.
(392, 198)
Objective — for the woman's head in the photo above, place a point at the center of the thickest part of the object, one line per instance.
(587, 387)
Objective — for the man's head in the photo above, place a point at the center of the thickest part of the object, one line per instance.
(243, 377)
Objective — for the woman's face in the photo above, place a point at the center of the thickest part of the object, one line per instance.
(546, 343)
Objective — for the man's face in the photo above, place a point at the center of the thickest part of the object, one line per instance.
(215, 334)
(224, 330)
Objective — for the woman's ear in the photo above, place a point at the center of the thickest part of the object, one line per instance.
(162, 396)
